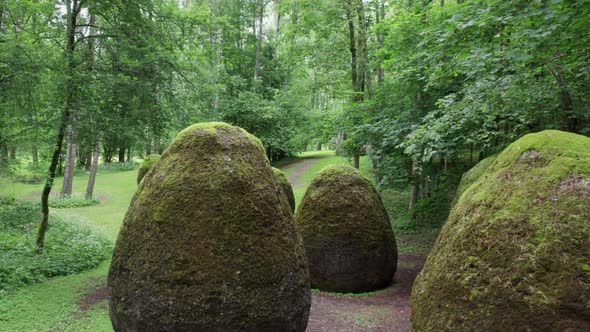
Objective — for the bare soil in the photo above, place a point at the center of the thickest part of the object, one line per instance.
(385, 310)
(96, 293)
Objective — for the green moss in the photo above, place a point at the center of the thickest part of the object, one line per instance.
(346, 232)
(473, 175)
(146, 165)
(286, 186)
(211, 128)
(209, 242)
(509, 256)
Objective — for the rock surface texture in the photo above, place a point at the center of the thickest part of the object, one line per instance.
(514, 254)
(287, 188)
(146, 165)
(346, 232)
(209, 243)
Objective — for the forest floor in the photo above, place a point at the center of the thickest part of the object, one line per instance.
(79, 302)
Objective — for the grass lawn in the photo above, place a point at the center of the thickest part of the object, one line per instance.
(67, 303)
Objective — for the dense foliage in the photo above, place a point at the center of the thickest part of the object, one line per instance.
(425, 88)
(69, 248)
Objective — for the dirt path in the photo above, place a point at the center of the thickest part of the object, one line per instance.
(301, 167)
(387, 310)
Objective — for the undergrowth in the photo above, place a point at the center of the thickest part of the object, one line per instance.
(75, 201)
(118, 167)
(69, 248)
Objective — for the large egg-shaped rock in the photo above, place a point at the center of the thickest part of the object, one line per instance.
(209, 243)
(514, 254)
(346, 232)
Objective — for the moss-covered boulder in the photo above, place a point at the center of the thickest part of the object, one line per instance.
(286, 185)
(209, 243)
(473, 175)
(515, 252)
(346, 232)
(146, 165)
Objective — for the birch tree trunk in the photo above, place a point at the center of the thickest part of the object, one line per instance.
(93, 168)
(66, 188)
(259, 44)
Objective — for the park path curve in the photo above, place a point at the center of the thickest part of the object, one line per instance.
(301, 167)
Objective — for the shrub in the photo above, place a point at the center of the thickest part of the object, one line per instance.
(118, 167)
(28, 177)
(75, 201)
(69, 248)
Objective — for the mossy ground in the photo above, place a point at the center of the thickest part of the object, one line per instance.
(512, 253)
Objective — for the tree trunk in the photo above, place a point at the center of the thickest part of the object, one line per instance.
(157, 145)
(66, 189)
(88, 161)
(93, 168)
(215, 36)
(35, 154)
(259, 44)
(356, 157)
(363, 68)
(72, 15)
(415, 187)
(13, 152)
(566, 108)
(3, 154)
(379, 17)
(352, 47)
(319, 146)
(121, 153)
(416, 178)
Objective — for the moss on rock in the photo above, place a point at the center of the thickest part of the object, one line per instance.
(146, 165)
(286, 185)
(513, 252)
(346, 232)
(473, 175)
(208, 242)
